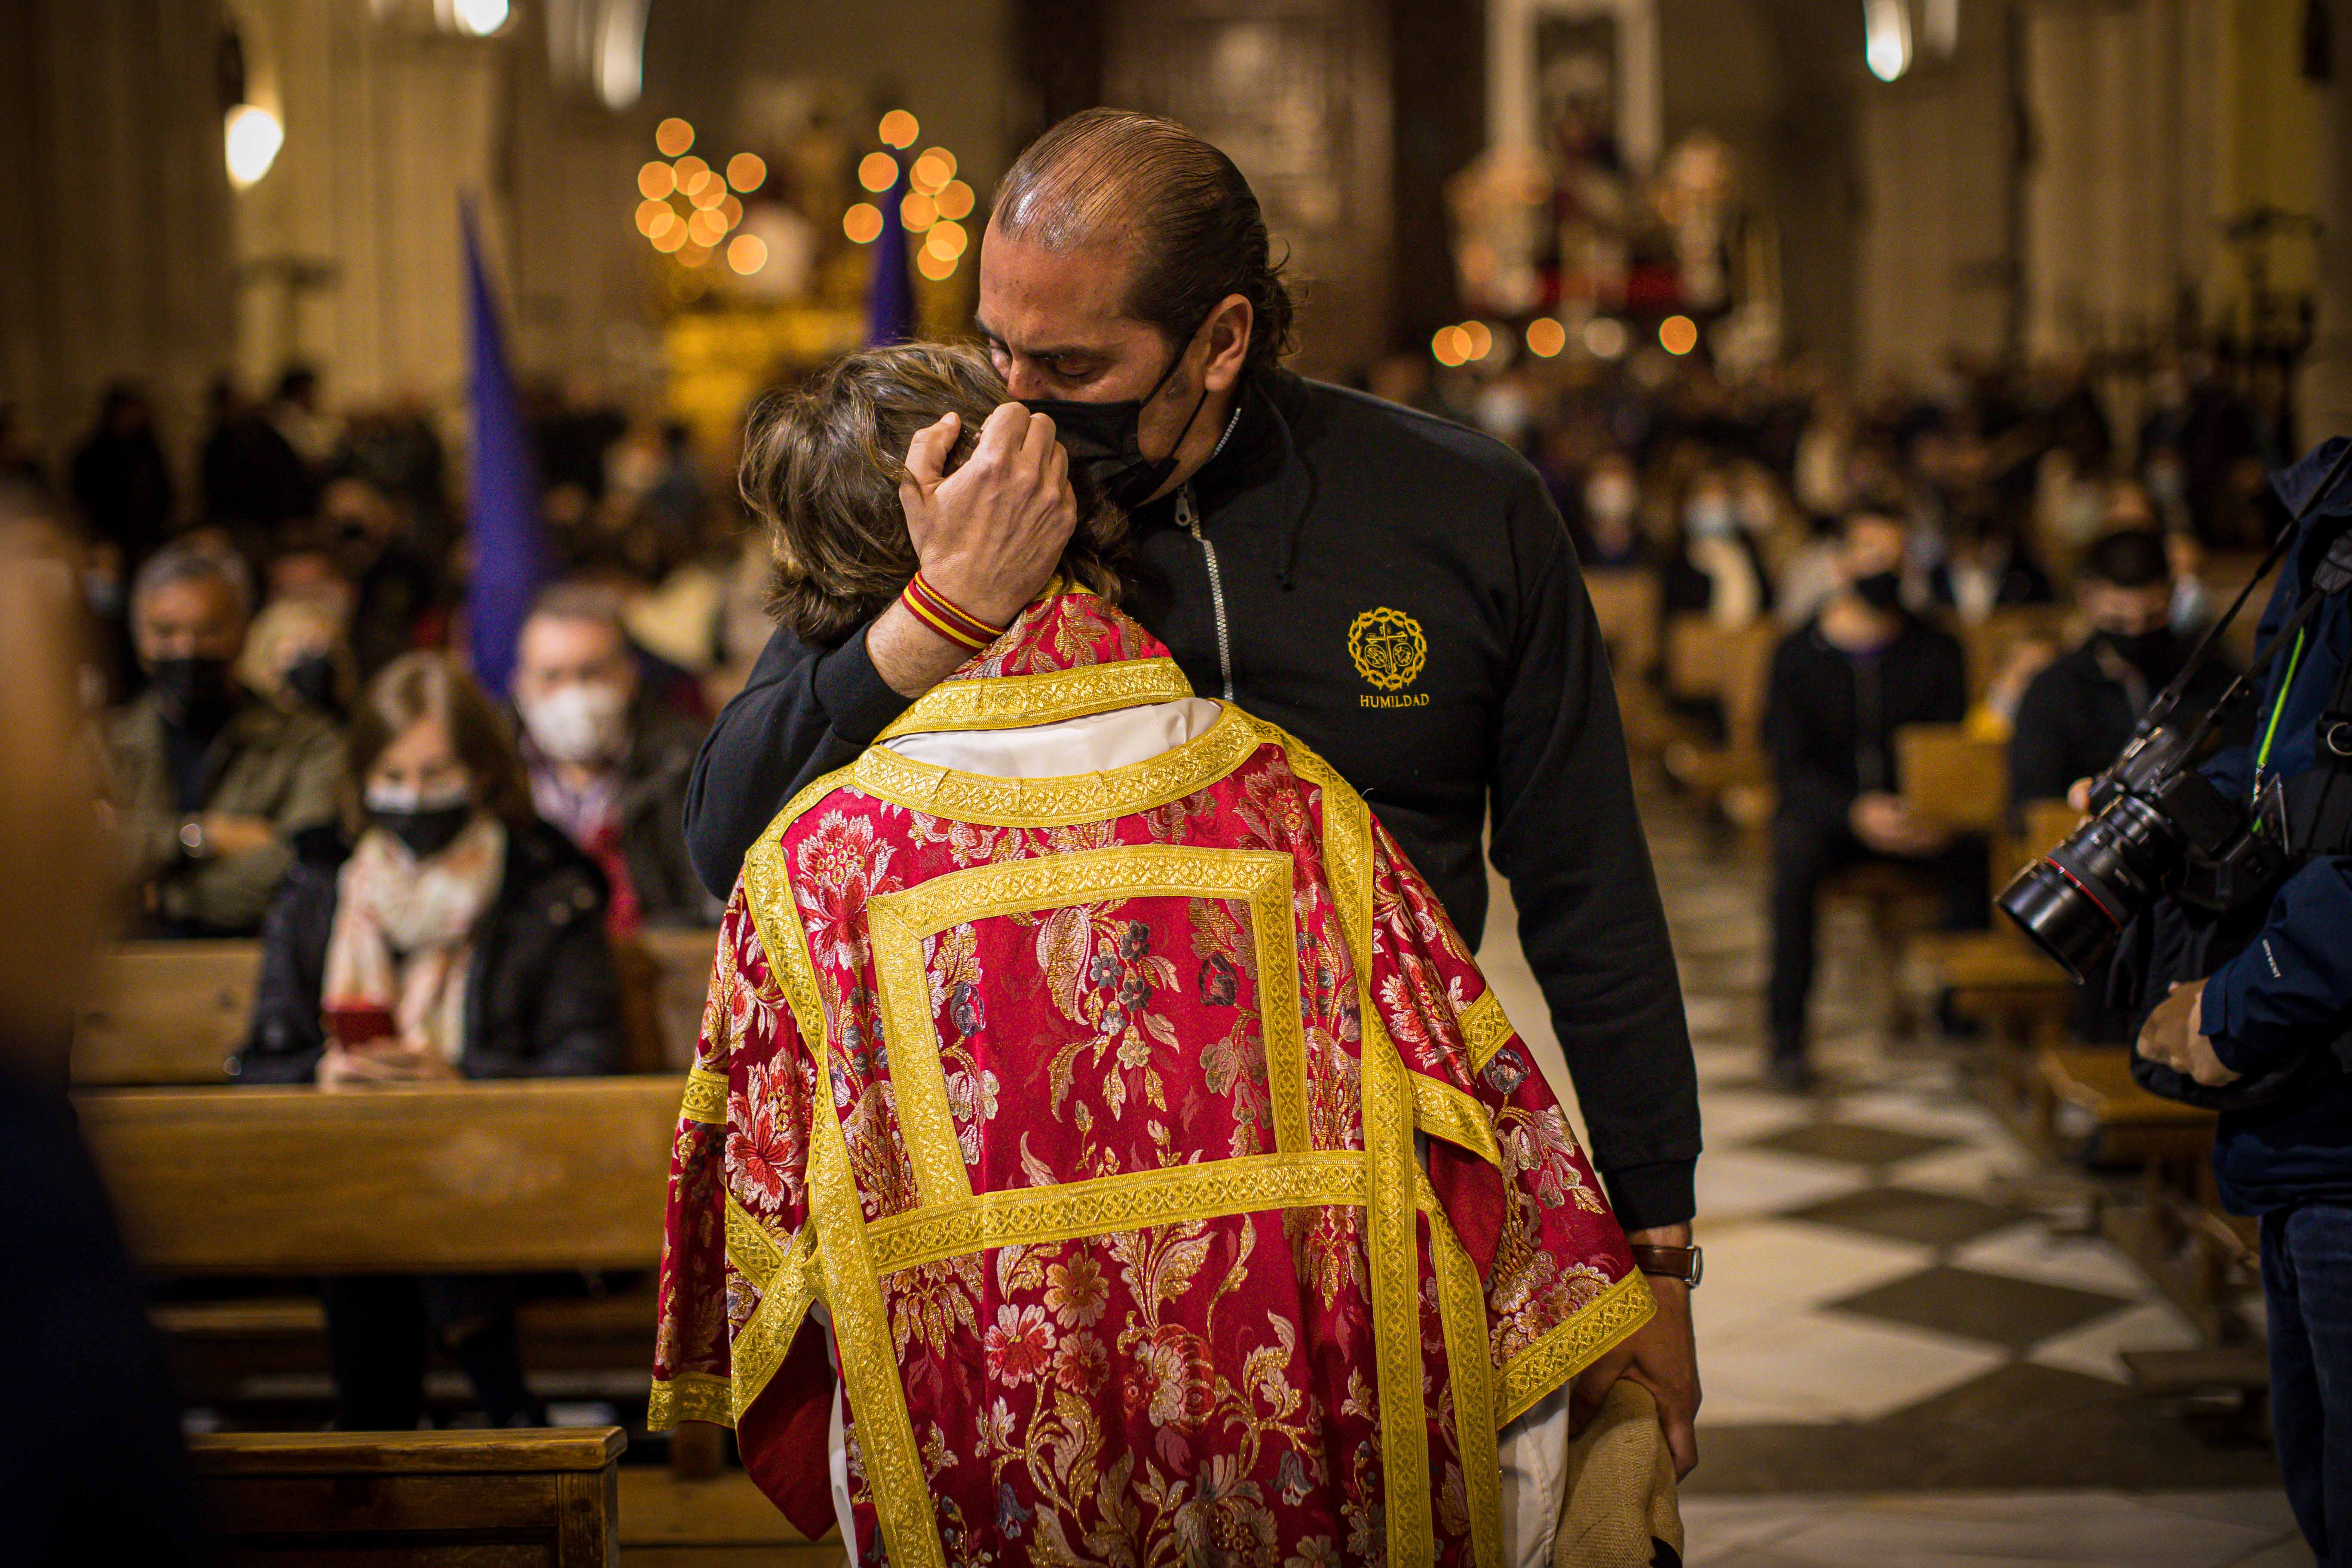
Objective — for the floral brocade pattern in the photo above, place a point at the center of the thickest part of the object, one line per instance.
(1198, 1389)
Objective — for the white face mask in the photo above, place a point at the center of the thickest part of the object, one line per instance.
(1708, 516)
(1612, 497)
(582, 721)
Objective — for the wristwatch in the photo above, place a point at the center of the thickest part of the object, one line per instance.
(1683, 1263)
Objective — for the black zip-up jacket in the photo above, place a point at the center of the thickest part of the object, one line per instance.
(1400, 594)
(2077, 715)
(542, 999)
(1831, 716)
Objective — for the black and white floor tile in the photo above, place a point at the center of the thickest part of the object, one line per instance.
(1904, 1362)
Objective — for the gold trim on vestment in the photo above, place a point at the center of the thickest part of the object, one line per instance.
(1134, 1200)
(1392, 1256)
(1018, 701)
(1059, 801)
(863, 1350)
(900, 923)
(1444, 1112)
(1484, 1028)
(690, 1396)
(1565, 1349)
(784, 1275)
(706, 1098)
(1470, 1375)
(1395, 1264)
(850, 1256)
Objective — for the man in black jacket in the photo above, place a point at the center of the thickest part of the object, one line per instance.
(2078, 714)
(1397, 592)
(1841, 684)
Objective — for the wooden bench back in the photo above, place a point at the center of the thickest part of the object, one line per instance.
(681, 961)
(1625, 603)
(176, 1012)
(541, 1496)
(1732, 665)
(1951, 778)
(551, 1174)
(1988, 643)
(165, 1012)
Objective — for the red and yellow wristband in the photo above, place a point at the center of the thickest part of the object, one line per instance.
(939, 613)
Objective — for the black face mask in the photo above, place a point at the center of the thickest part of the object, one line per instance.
(1106, 442)
(426, 832)
(313, 680)
(1879, 590)
(197, 689)
(2152, 653)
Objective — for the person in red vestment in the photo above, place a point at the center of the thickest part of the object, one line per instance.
(1101, 1147)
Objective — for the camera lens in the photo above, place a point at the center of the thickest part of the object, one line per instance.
(2077, 899)
(2065, 923)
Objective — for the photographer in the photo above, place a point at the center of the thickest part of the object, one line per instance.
(2274, 1009)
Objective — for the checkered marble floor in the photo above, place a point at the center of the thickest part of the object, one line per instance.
(1881, 1314)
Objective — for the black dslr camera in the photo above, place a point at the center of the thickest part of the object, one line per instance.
(2157, 827)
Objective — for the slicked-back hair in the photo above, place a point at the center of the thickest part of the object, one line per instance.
(1111, 176)
(821, 468)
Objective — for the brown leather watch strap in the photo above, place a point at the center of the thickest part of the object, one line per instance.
(1683, 1263)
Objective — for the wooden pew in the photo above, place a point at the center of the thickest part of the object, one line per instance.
(1625, 607)
(422, 1498)
(550, 1174)
(166, 1013)
(513, 1177)
(1733, 667)
(176, 1012)
(1952, 779)
(681, 983)
(1986, 644)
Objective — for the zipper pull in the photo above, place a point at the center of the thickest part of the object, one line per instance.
(1188, 516)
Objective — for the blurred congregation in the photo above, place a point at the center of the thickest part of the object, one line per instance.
(1906, 376)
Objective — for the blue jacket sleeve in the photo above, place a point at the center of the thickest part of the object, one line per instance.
(2293, 983)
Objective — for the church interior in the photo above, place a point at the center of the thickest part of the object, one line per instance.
(353, 326)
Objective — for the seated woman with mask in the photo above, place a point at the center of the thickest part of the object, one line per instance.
(462, 938)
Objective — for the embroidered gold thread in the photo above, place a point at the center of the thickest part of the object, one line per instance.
(918, 1084)
(1058, 802)
(1031, 1216)
(1470, 1373)
(1567, 1348)
(1444, 1112)
(1395, 1263)
(690, 1396)
(706, 1098)
(1011, 701)
(1484, 1028)
(1388, 1142)
(867, 1362)
(901, 921)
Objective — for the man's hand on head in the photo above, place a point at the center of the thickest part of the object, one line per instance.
(988, 535)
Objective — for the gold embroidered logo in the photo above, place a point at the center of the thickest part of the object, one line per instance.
(1388, 648)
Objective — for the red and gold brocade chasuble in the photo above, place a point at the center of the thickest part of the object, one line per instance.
(1086, 1107)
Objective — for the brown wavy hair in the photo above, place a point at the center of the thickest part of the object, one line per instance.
(822, 467)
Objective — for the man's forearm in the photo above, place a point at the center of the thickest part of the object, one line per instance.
(907, 655)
